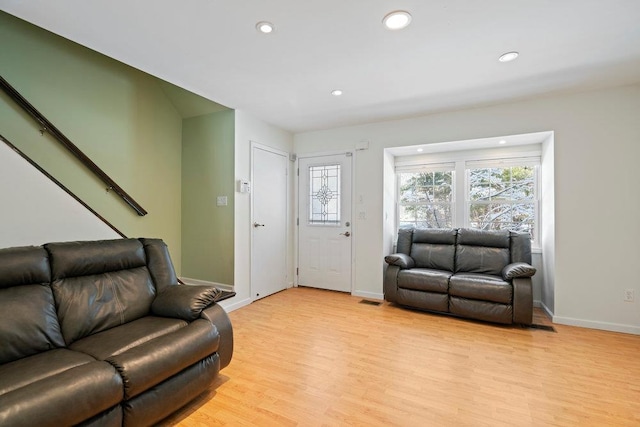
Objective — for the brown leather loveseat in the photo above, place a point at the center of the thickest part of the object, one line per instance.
(102, 334)
(484, 275)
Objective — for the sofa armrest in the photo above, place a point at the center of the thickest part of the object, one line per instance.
(517, 270)
(522, 301)
(390, 283)
(217, 316)
(184, 301)
(403, 261)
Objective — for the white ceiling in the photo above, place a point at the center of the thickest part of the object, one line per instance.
(446, 59)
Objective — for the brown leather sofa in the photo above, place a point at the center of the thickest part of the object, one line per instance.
(102, 333)
(484, 275)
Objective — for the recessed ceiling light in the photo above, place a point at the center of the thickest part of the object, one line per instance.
(509, 56)
(336, 92)
(420, 150)
(502, 142)
(397, 20)
(265, 27)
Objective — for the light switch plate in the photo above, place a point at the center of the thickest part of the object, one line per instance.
(221, 201)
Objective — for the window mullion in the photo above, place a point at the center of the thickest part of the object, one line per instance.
(460, 191)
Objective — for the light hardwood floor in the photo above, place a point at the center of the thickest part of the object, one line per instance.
(307, 357)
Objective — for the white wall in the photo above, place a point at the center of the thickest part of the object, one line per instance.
(248, 129)
(389, 203)
(547, 225)
(35, 210)
(596, 148)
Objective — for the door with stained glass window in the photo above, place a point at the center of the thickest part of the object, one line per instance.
(324, 222)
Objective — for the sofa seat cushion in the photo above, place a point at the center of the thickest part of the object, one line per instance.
(481, 287)
(62, 388)
(424, 279)
(39, 366)
(122, 338)
(147, 364)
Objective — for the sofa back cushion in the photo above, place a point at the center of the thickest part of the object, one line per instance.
(159, 263)
(405, 240)
(99, 285)
(520, 247)
(28, 322)
(434, 248)
(482, 251)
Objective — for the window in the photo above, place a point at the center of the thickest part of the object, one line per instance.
(502, 198)
(324, 194)
(426, 199)
(488, 194)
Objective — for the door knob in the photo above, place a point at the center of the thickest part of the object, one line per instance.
(256, 225)
(345, 234)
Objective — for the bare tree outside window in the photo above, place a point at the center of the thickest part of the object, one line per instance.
(498, 198)
(426, 199)
(502, 198)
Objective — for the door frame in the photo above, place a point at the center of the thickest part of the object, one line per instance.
(252, 212)
(296, 201)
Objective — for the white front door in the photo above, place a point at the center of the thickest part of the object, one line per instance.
(324, 222)
(269, 222)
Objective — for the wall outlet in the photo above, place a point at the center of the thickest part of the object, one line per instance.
(628, 295)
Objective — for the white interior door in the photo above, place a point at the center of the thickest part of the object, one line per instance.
(324, 222)
(269, 222)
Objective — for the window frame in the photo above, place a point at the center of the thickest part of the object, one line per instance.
(501, 164)
(462, 164)
(325, 223)
(447, 167)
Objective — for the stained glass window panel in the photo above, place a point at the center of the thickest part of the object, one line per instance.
(324, 194)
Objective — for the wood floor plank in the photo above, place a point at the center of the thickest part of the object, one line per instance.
(308, 357)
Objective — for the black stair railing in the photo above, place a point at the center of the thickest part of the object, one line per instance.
(225, 294)
(59, 184)
(47, 126)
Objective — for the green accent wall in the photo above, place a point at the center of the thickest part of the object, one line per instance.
(208, 144)
(131, 125)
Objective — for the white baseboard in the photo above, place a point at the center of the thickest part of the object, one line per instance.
(591, 324)
(605, 326)
(540, 304)
(370, 295)
(198, 282)
(546, 309)
(230, 304)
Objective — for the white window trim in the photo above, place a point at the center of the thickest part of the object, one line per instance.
(460, 162)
